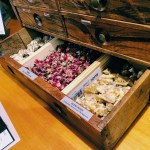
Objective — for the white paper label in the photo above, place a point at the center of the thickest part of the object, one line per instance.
(82, 112)
(5, 139)
(26, 10)
(28, 73)
(46, 14)
(78, 91)
(85, 21)
(8, 134)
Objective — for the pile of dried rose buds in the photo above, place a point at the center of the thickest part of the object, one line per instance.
(64, 65)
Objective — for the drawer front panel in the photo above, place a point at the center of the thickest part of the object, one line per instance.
(89, 29)
(48, 21)
(77, 6)
(47, 4)
(136, 11)
(130, 11)
(115, 37)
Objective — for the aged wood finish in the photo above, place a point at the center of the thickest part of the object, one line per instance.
(126, 111)
(48, 21)
(126, 49)
(42, 4)
(52, 96)
(18, 41)
(130, 10)
(91, 27)
(36, 123)
(137, 11)
(103, 133)
(9, 42)
(119, 38)
(77, 6)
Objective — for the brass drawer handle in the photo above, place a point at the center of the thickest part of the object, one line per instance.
(99, 5)
(102, 36)
(38, 20)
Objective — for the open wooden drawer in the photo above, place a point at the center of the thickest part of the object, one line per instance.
(104, 133)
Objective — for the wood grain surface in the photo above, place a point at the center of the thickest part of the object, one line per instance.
(43, 4)
(40, 128)
(45, 20)
(135, 11)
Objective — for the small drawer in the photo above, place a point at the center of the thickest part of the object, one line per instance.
(44, 4)
(47, 21)
(81, 7)
(107, 34)
(130, 11)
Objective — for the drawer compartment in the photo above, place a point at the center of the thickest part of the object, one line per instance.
(120, 117)
(112, 36)
(46, 4)
(50, 57)
(106, 132)
(47, 21)
(69, 72)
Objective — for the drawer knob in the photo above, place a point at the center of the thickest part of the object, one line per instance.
(102, 36)
(99, 5)
(38, 20)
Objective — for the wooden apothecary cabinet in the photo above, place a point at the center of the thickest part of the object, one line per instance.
(133, 47)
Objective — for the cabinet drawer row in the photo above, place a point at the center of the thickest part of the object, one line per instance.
(128, 11)
(104, 35)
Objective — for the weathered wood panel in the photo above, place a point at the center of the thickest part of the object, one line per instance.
(123, 115)
(120, 38)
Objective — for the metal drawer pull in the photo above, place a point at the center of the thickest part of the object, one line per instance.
(99, 5)
(38, 20)
(102, 36)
